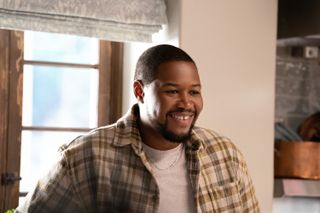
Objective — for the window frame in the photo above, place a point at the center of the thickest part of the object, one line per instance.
(10, 110)
(11, 80)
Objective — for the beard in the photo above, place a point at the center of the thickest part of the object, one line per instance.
(164, 130)
(171, 136)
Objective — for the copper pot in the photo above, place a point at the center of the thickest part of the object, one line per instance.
(297, 160)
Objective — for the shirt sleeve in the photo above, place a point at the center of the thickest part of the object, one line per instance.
(53, 193)
(247, 191)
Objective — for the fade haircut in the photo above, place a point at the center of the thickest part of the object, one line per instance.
(150, 60)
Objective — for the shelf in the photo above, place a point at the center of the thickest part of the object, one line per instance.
(296, 188)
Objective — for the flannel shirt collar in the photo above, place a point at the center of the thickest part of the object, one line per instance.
(127, 132)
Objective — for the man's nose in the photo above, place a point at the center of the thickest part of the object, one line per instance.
(185, 100)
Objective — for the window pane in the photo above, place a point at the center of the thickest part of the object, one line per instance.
(39, 150)
(60, 97)
(54, 47)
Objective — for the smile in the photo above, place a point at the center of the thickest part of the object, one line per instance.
(181, 117)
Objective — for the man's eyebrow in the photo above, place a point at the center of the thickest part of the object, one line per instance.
(168, 84)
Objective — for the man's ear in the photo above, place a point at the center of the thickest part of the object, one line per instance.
(138, 91)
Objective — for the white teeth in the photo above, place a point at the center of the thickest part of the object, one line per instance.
(181, 117)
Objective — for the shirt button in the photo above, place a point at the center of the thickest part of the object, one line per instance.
(195, 146)
(155, 197)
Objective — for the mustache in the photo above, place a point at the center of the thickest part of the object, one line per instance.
(183, 110)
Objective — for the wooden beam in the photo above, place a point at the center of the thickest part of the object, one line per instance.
(4, 95)
(110, 82)
(104, 83)
(116, 81)
(15, 116)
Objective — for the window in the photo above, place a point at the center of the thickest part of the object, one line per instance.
(71, 84)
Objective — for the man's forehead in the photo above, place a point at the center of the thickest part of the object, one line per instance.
(177, 69)
(160, 83)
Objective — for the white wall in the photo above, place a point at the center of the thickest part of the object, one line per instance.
(234, 45)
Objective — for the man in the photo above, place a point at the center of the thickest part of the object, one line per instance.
(153, 159)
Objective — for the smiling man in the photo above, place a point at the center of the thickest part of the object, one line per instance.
(154, 159)
(170, 104)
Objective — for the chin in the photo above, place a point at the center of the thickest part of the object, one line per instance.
(177, 138)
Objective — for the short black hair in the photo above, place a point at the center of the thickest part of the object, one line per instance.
(151, 59)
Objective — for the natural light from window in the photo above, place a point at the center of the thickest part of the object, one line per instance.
(55, 96)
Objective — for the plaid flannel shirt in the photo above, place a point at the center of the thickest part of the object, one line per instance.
(108, 171)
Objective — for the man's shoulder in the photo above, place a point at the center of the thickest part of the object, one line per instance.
(217, 149)
(214, 141)
(104, 134)
(210, 136)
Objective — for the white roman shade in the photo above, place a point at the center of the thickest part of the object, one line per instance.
(116, 20)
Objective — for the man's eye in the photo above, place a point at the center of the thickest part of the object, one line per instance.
(171, 91)
(194, 92)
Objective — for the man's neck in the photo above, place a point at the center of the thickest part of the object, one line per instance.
(155, 140)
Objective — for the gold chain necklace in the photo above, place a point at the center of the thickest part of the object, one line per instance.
(154, 164)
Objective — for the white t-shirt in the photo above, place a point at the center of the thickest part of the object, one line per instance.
(171, 174)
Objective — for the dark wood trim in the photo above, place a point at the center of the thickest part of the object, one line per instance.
(11, 79)
(60, 129)
(104, 83)
(4, 95)
(14, 120)
(116, 81)
(110, 82)
(60, 64)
